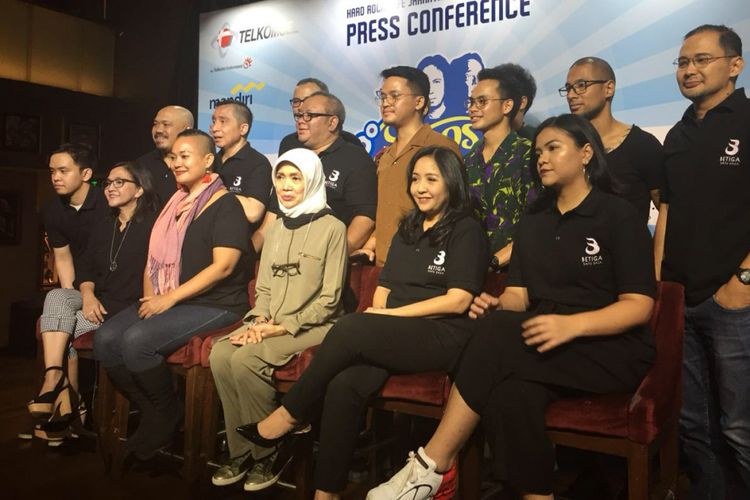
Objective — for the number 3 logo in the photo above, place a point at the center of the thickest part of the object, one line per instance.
(440, 259)
(334, 176)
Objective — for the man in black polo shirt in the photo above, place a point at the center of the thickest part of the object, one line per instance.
(633, 156)
(244, 170)
(527, 83)
(168, 122)
(351, 181)
(703, 233)
(69, 218)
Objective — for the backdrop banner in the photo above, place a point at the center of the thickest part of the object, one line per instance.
(256, 54)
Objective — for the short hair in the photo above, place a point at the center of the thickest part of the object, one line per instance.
(207, 141)
(82, 154)
(333, 106)
(601, 66)
(318, 83)
(416, 80)
(149, 200)
(507, 86)
(241, 112)
(525, 81)
(729, 40)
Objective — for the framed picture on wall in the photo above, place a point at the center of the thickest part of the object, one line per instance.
(20, 132)
(84, 133)
(10, 217)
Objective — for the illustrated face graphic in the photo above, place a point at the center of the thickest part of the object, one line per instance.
(437, 85)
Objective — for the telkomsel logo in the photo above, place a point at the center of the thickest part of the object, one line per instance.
(223, 40)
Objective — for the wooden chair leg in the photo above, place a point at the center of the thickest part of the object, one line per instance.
(638, 480)
(193, 412)
(669, 461)
(103, 409)
(470, 467)
(118, 433)
(210, 418)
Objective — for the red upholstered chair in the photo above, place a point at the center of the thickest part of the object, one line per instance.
(635, 426)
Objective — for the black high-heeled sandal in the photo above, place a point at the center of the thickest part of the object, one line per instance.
(66, 411)
(41, 406)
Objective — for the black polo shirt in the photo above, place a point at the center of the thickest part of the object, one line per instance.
(163, 177)
(351, 181)
(222, 224)
(291, 141)
(707, 176)
(583, 259)
(247, 173)
(636, 166)
(122, 287)
(419, 271)
(67, 226)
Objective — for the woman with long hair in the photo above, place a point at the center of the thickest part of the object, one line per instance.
(570, 322)
(298, 299)
(106, 282)
(195, 280)
(418, 320)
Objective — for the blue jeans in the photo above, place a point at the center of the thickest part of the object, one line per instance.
(141, 344)
(715, 417)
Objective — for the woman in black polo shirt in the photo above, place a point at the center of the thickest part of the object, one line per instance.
(199, 264)
(417, 323)
(107, 281)
(580, 288)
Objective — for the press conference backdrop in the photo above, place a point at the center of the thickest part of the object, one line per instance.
(256, 53)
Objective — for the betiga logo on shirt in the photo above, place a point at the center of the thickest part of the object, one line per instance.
(731, 156)
(592, 257)
(437, 264)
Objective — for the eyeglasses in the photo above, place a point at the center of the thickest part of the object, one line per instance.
(381, 97)
(289, 269)
(578, 87)
(699, 61)
(481, 102)
(296, 102)
(308, 116)
(117, 183)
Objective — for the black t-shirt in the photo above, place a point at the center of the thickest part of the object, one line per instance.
(583, 259)
(707, 174)
(351, 182)
(419, 271)
(291, 141)
(636, 166)
(164, 181)
(247, 173)
(222, 224)
(67, 226)
(120, 288)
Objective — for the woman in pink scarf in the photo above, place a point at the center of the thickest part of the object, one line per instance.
(199, 263)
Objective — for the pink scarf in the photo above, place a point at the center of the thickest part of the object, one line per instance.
(168, 233)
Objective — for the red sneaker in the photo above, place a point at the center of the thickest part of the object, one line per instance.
(447, 489)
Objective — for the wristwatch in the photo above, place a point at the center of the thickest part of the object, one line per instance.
(743, 274)
(495, 264)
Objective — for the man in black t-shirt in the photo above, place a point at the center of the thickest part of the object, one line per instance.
(633, 156)
(703, 234)
(168, 123)
(244, 171)
(351, 181)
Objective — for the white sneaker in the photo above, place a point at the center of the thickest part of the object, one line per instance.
(416, 481)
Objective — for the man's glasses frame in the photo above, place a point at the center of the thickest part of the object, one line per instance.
(580, 87)
(698, 60)
(381, 97)
(308, 116)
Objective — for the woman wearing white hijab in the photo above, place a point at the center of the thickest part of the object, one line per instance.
(298, 298)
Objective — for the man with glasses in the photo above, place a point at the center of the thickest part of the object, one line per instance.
(704, 232)
(351, 183)
(244, 170)
(168, 122)
(633, 155)
(404, 100)
(497, 166)
(304, 89)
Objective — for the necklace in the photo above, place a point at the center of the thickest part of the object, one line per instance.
(113, 260)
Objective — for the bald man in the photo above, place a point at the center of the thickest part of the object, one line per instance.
(168, 123)
(633, 155)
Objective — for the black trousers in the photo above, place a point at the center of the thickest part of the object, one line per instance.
(510, 385)
(353, 362)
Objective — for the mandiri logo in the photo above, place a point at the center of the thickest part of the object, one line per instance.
(223, 39)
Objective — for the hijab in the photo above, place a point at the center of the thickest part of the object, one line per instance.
(314, 199)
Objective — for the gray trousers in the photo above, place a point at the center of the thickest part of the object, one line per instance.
(244, 380)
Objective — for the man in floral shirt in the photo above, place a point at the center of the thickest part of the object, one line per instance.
(498, 164)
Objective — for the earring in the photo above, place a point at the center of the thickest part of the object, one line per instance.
(207, 177)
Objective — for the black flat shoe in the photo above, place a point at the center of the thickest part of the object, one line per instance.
(250, 432)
